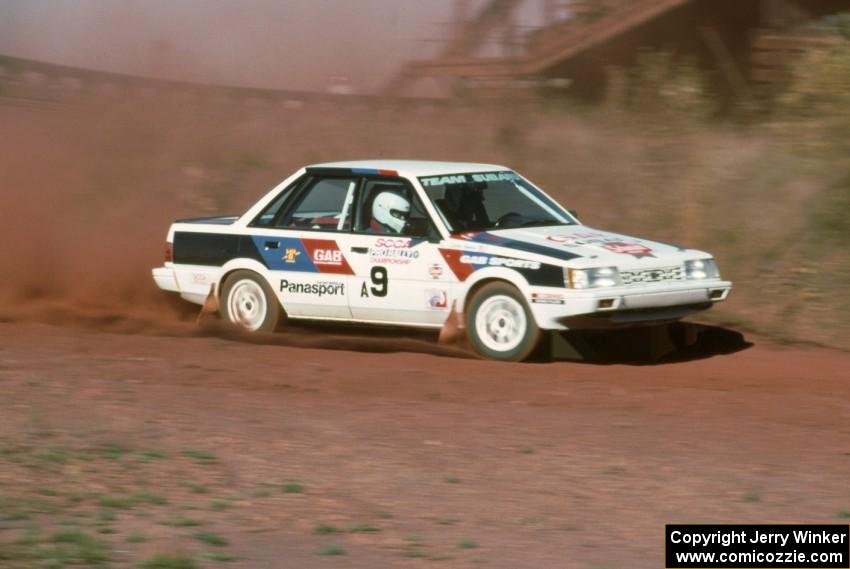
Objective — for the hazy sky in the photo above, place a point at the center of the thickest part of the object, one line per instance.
(297, 44)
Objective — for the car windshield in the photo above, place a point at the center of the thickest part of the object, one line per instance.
(485, 201)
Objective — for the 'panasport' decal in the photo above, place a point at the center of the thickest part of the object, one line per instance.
(302, 255)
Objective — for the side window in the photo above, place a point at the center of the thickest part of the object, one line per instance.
(390, 207)
(324, 205)
(271, 212)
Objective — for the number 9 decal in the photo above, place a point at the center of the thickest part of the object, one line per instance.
(380, 281)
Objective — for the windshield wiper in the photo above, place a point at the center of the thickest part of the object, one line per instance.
(541, 222)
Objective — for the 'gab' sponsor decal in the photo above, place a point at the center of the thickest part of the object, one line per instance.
(320, 289)
(436, 299)
(327, 257)
(295, 255)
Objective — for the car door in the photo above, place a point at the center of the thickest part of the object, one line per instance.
(399, 275)
(302, 246)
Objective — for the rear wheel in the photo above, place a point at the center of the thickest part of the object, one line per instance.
(500, 325)
(248, 302)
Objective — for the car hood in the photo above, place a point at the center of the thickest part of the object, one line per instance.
(574, 242)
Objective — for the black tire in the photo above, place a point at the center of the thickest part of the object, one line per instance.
(256, 308)
(509, 314)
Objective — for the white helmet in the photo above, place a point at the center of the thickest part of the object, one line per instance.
(391, 210)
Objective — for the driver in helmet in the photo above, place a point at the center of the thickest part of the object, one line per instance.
(390, 211)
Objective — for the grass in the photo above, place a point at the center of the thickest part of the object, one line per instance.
(221, 505)
(136, 538)
(843, 514)
(146, 497)
(220, 557)
(151, 455)
(326, 529)
(117, 502)
(210, 538)
(364, 528)
(452, 479)
(199, 455)
(53, 454)
(332, 550)
(751, 497)
(195, 487)
(73, 547)
(112, 452)
(467, 544)
(15, 516)
(168, 562)
(182, 523)
(292, 488)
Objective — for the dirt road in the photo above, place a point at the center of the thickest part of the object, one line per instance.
(274, 456)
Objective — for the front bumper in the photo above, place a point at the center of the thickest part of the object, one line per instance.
(626, 306)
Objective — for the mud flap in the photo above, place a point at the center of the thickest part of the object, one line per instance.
(451, 331)
(210, 306)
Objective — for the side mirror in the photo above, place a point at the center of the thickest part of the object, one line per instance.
(419, 228)
(573, 213)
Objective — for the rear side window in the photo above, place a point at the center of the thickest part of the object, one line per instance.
(324, 205)
(272, 211)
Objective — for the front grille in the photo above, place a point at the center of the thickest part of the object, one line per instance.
(653, 275)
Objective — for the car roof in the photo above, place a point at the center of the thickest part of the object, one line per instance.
(415, 168)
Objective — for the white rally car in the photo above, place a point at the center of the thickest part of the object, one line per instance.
(407, 242)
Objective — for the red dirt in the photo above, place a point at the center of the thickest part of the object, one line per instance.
(542, 465)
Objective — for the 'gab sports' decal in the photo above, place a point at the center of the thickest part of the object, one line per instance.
(302, 255)
(494, 261)
(491, 239)
(464, 263)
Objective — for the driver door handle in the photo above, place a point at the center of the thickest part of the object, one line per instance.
(362, 250)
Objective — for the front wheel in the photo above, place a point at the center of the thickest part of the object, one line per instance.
(500, 325)
(248, 302)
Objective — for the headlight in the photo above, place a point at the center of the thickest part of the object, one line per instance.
(592, 278)
(701, 269)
